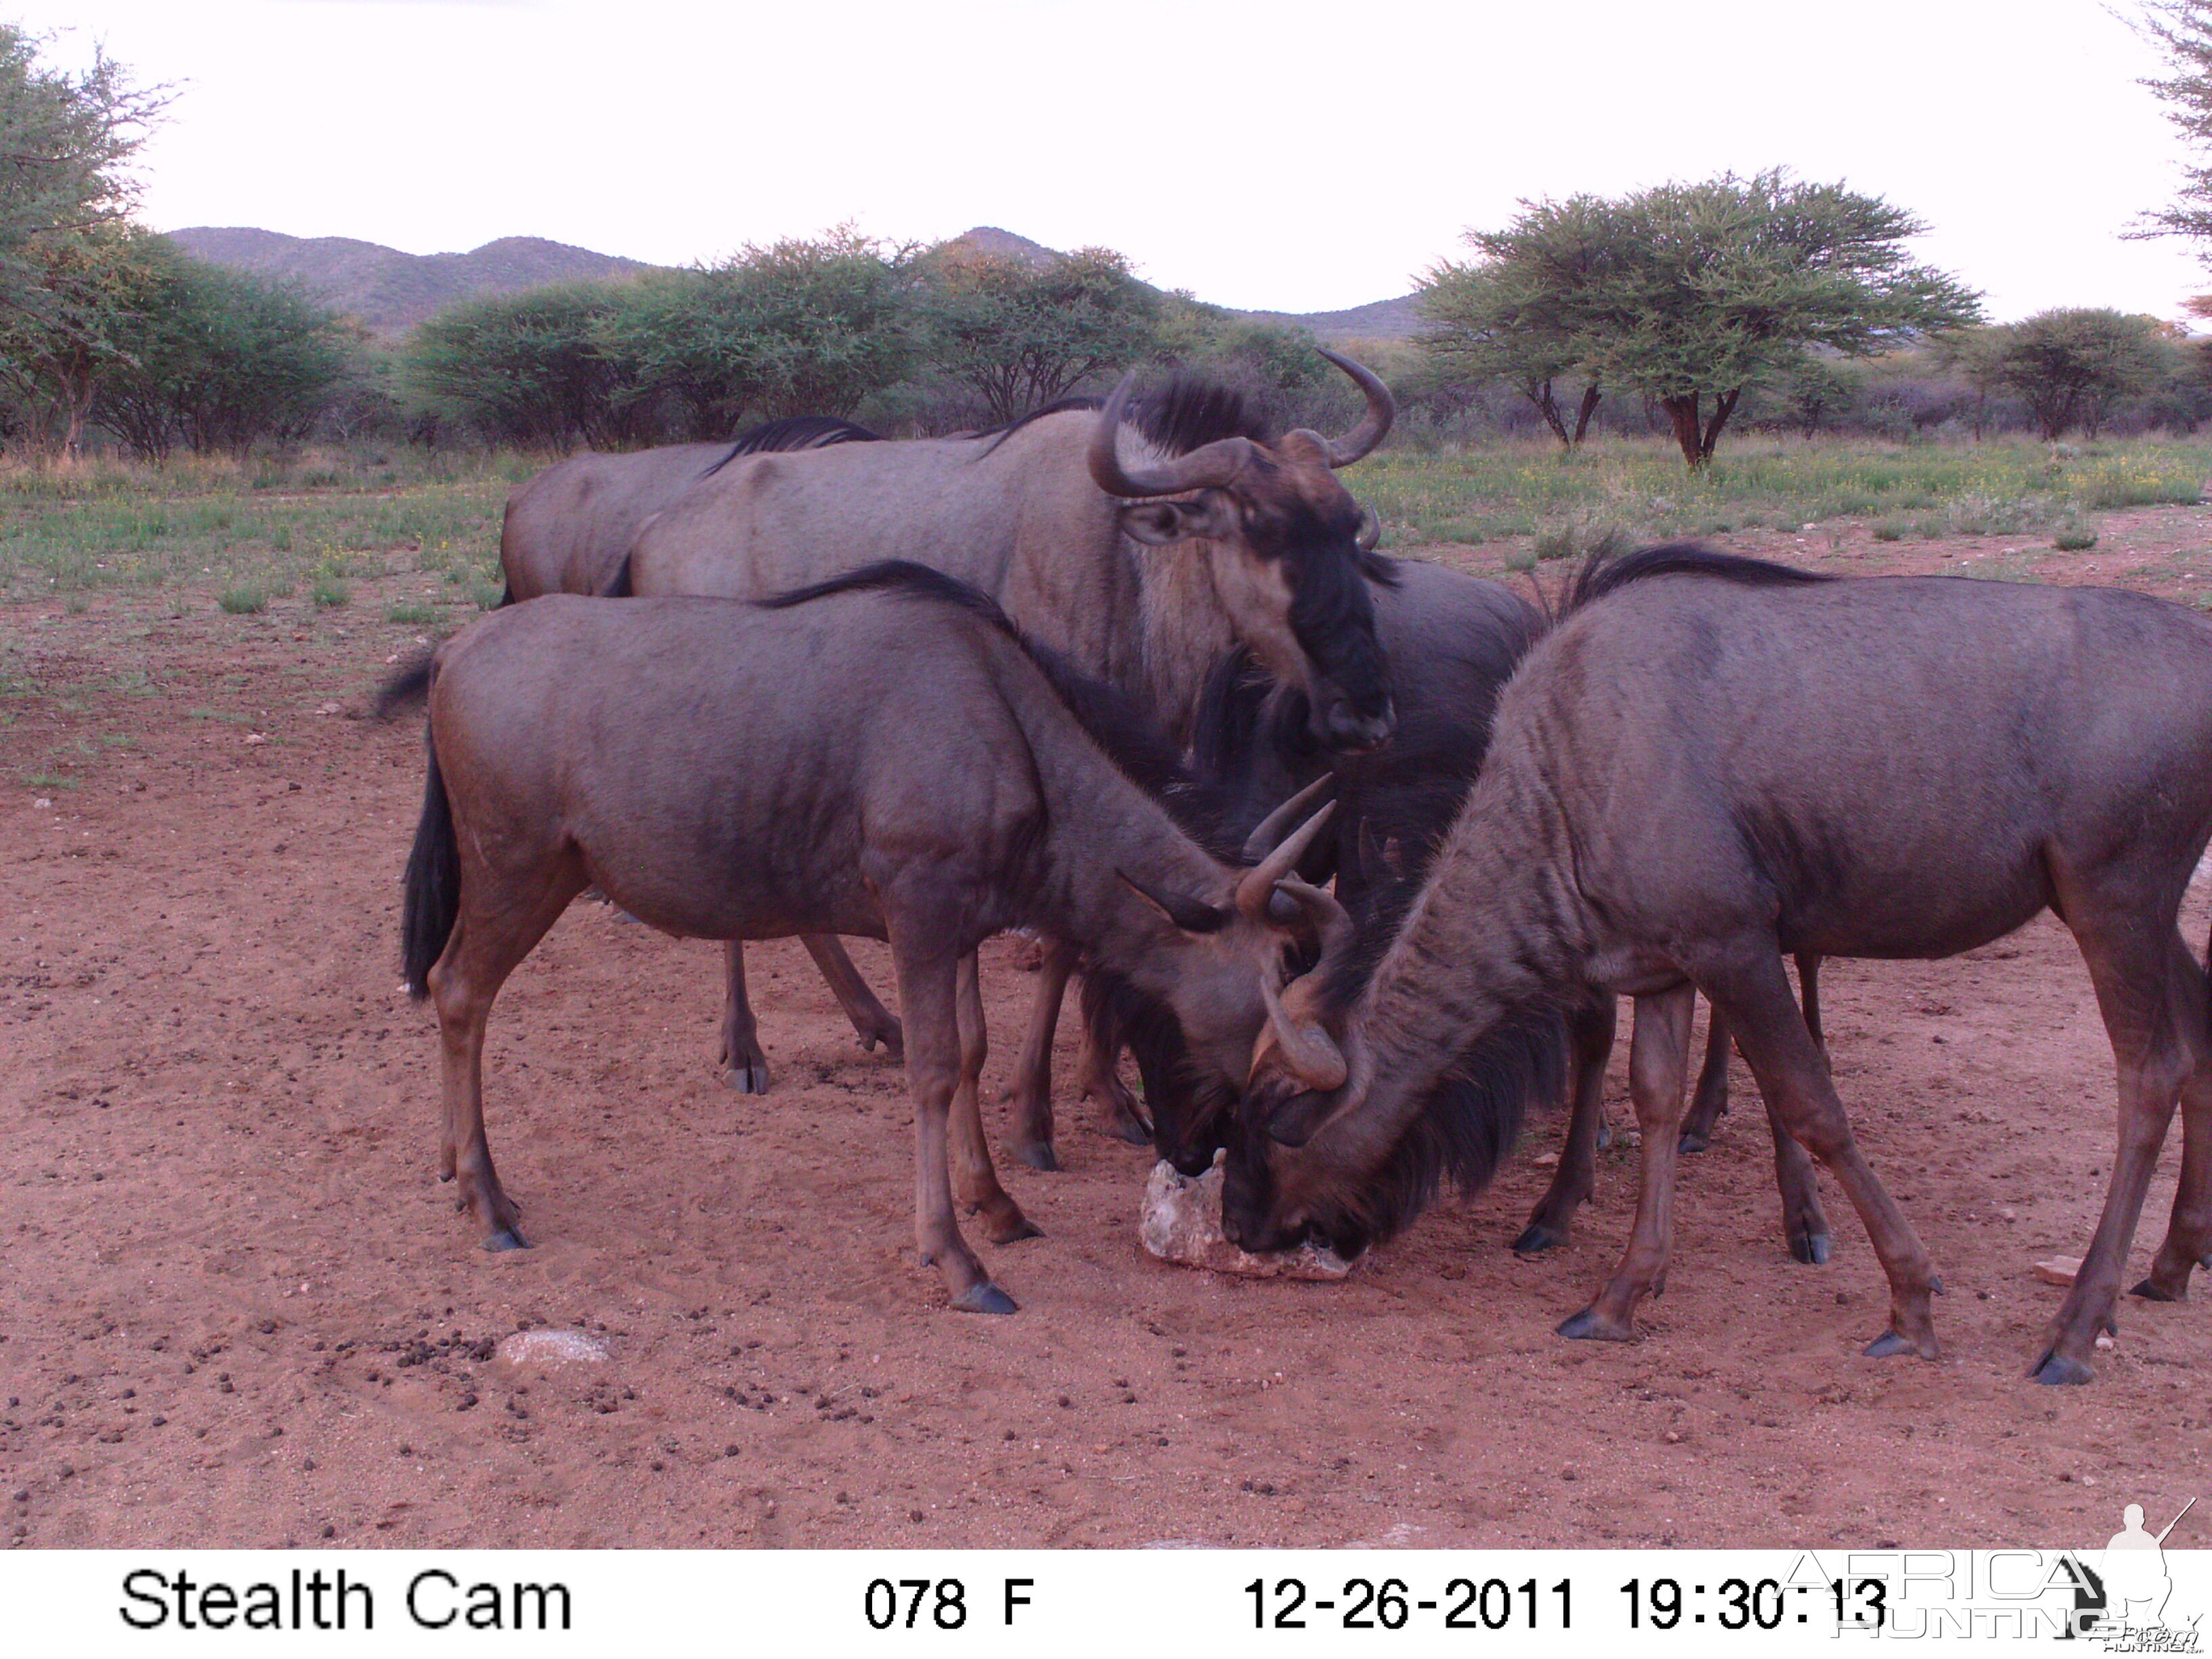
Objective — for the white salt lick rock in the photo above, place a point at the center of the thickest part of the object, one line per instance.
(550, 1350)
(1182, 1222)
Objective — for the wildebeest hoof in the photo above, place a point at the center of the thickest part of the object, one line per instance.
(1691, 1141)
(2149, 1291)
(746, 1079)
(984, 1299)
(1590, 1326)
(1537, 1239)
(507, 1238)
(1038, 1155)
(1890, 1343)
(1010, 1226)
(1125, 1125)
(2055, 1369)
(1813, 1249)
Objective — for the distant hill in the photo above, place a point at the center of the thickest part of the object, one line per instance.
(1379, 319)
(390, 291)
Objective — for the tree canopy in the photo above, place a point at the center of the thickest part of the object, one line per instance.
(1023, 335)
(2068, 366)
(1691, 294)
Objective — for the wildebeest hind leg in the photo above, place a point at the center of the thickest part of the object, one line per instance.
(873, 1022)
(1658, 1066)
(1755, 995)
(2189, 1238)
(501, 922)
(975, 1179)
(1590, 1031)
(1710, 1099)
(2130, 967)
(928, 983)
(1029, 1095)
(744, 1062)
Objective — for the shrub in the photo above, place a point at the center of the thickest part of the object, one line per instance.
(329, 592)
(2074, 539)
(244, 601)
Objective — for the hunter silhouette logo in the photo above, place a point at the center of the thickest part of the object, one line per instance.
(2122, 1601)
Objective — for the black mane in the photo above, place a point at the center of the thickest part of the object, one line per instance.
(1603, 574)
(792, 432)
(1188, 413)
(1136, 747)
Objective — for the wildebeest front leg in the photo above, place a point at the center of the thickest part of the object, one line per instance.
(1658, 1066)
(928, 982)
(1590, 1033)
(975, 1181)
(1098, 1076)
(873, 1022)
(2136, 994)
(745, 1063)
(1755, 996)
(1029, 1095)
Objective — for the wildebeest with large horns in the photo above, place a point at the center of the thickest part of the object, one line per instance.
(1453, 640)
(882, 755)
(1141, 541)
(1714, 762)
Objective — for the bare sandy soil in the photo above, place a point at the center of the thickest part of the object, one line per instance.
(236, 1307)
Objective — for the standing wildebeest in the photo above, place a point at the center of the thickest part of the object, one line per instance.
(1714, 762)
(893, 763)
(1053, 517)
(568, 531)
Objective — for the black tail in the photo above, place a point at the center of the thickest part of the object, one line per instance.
(433, 883)
(409, 683)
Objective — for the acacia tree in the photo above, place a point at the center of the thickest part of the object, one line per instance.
(1022, 335)
(798, 327)
(2068, 366)
(1513, 313)
(1691, 294)
(66, 247)
(529, 369)
(2182, 31)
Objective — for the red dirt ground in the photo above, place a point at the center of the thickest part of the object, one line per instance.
(236, 1307)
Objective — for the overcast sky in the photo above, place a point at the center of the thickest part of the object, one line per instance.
(1281, 156)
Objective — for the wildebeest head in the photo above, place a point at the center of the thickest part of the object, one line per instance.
(1292, 552)
(1192, 1024)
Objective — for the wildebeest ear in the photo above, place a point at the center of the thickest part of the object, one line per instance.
(1192, 916)
(1293, 1122)
(1209, 513)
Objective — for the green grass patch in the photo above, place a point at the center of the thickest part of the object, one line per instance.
(328, 592)
(243, 601)
(414, 615)
(2074, 539)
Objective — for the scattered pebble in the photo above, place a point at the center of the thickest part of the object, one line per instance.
(2059, 1269)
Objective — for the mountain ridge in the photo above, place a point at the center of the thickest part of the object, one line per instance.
(390, 291)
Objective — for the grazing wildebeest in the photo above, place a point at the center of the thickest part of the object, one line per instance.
(568, 531)
(1452, 641)
(882, 755)
(1141, 541)
(1712, 762)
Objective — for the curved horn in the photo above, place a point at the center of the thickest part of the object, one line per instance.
(1308, 1052)
(1207, 467)
(1295, 1027)
(1272, 828)
(1370, 530)
(1382, 409)
(1258, 885)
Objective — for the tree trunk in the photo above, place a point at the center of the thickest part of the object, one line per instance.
(1724, 407)
(1683, 412)
(1539, 392)
(1590, 396)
